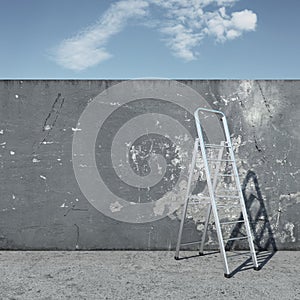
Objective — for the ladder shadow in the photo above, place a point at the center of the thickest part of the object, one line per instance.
(262, 258)
(264, 241)
(197, 255)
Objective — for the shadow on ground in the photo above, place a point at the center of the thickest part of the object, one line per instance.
(264, 241)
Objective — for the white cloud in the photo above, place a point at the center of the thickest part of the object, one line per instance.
(181, 41)
(225, 27)
(186, 24)
(88, 47)
(226, 2)
(183, 24)
(232, 34)
(244, 20)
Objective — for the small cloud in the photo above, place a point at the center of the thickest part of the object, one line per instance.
(181, 41)
(79, 55)
(244, 20)
(226, 2)
(225, 27)
(232, 34)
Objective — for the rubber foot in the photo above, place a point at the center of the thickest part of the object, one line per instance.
(201, 254)
(227, 275)
(256, 268)
(176, 257)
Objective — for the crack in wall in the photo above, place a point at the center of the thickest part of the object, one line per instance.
(73, 208)
(258, 148)
(51, 120)
(265, 100)
(60, 102)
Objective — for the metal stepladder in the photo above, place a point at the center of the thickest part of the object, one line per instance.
(212, 167)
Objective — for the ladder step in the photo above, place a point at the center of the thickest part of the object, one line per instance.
(220, 160)
(237, 238)
(232, 205)
(195, 197)
(232, 222)
(226, 175)
(197, 202)
(190, 243)
(216, 146)
(229, 191)
(225, 196)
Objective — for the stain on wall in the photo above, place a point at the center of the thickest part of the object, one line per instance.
(143, 141)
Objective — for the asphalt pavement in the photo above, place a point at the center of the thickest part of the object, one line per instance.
(145, 275)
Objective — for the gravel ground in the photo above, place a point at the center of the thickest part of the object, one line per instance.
(144, 275)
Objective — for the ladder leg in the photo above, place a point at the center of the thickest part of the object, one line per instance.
(191, 172)
(205, 229)
(216, 216)
(251, 245)
(242, 201)
(212, 197)
(215, 181)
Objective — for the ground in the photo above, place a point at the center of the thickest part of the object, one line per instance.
(143, 275)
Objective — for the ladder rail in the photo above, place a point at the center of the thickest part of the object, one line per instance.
(240, 192)
(211, 193)
(192, 167)
(215, 181)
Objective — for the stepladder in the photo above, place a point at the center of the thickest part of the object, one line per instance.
(223, 191)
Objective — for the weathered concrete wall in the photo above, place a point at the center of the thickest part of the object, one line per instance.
(103, 164)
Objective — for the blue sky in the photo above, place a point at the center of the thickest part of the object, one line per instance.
(177, 39)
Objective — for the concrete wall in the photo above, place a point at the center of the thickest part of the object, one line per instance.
(103, 164)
